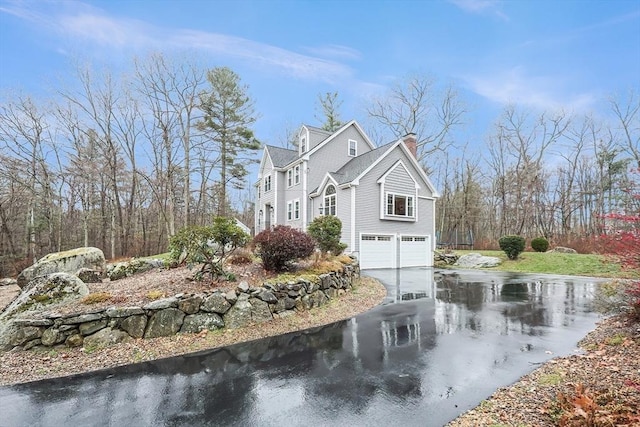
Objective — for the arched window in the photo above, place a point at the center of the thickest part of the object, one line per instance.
(329, 205)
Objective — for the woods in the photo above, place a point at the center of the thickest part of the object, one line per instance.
(123, 162)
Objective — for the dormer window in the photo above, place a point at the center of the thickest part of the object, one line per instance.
(353, 148)
(303, 144)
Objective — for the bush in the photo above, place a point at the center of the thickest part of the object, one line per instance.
(512, 245)
(540, 244)
(281, 245)
(326, 231)
(208, 245)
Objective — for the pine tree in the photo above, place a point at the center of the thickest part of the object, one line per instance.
(228, 116)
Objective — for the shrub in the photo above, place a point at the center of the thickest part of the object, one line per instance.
(326, 231)
(540, 244)
(208, 245)
(512, 245)
(281, 245)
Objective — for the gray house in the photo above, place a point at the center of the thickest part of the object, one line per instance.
(383, 197)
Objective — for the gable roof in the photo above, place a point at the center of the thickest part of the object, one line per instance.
(281, 157)
(354, 167)
(335, 134)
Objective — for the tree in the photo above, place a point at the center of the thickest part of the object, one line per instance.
(228, 116)
(329, 105)
(414, 106)
(210, 246)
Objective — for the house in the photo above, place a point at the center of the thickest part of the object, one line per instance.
(383, 197)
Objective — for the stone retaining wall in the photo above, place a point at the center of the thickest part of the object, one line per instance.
(190, 313)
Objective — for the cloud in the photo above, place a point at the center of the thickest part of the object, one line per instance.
(515, 86)
(81, 24)
(481, 7)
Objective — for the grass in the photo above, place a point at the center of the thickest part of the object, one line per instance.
(558, 263)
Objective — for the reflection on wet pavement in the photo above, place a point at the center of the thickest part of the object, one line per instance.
(440, 343)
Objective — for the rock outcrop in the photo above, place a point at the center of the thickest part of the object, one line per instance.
(64, 262)
(476, 260)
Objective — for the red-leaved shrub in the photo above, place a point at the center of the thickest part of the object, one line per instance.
(281, 245)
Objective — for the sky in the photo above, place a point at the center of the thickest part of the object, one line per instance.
(539, 54)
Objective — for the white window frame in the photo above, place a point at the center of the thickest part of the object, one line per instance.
(293, 210)
(267, 183)
(352, 145)
(296, 209)
(330, 201)
(390, 205)
(303, 144)
(293, 176)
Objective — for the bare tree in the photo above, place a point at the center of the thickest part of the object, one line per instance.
(415, 105)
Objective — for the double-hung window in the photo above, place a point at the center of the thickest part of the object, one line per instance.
(293, 176)
(400, 205)
(353, 148)
(293, 210)
(267, 183)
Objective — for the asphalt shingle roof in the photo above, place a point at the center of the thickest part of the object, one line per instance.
(353, 168)
(281, 157)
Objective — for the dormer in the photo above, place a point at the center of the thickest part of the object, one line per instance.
(303, 141)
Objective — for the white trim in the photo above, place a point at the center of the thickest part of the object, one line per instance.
(333, 136)
(393, 167)
(355, 148)
(412, 159)
(305, 206)
(352, 239)
(394, 216)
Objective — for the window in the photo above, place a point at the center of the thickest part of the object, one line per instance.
(267, 183)
(353, 148)
(399, 205)
(293, 210)
(293, 176)
(329, 205)
(303, 144)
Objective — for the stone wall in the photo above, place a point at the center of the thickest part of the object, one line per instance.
(186, 313)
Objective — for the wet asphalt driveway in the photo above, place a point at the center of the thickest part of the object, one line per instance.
(440, 343)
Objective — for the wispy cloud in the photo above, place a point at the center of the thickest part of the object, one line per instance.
(82, 24)
(490, 7)
(515, 86)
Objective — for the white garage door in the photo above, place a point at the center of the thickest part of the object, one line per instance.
(414, 251)
(377, 251)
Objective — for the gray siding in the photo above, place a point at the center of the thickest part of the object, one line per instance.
(334, 155)
(369, 199)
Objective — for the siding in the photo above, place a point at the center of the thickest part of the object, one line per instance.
(334, 155)
(368, 200)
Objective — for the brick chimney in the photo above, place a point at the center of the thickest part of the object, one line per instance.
(411, 143)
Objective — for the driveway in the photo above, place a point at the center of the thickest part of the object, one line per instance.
(440, 343)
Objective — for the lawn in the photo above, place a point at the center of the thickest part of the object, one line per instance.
(558, 263)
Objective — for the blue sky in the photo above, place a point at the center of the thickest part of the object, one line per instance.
(540, 54)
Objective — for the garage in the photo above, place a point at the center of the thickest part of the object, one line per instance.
(392, 251)
(414, 251)
(377, 251)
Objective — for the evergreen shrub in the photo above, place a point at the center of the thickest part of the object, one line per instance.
(326, 231)
(540, 244)
(512, 245)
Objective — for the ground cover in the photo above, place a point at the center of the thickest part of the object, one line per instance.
(590, 265)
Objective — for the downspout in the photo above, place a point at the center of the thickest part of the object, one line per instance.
(353, 218)
(305, 204)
